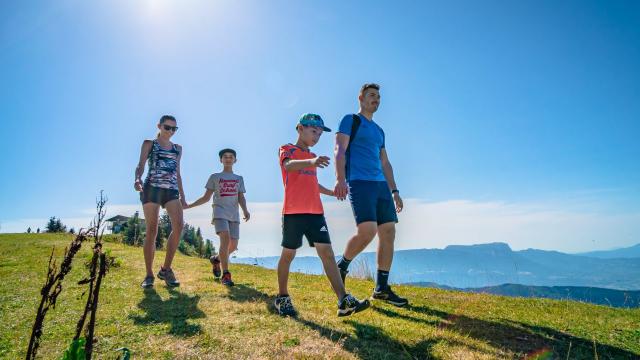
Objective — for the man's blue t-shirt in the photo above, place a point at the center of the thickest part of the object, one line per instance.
(363, 155)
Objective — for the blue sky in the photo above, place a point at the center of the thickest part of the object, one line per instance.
(532, 105)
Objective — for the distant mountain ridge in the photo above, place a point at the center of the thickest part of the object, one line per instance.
(600, 296)
(493, 264)
(628, 252)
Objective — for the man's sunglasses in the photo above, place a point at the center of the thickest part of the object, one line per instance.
(170, 128)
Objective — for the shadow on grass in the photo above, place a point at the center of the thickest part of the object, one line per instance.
(243, 293)
(523, 340)
(368, 342)
(175, 311)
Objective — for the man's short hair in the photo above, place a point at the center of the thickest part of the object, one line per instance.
(368, 86)
(224, 151)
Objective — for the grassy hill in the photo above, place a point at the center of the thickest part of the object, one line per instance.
(203, 319)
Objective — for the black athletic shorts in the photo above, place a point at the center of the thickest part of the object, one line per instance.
(158, 195)
(313, 226)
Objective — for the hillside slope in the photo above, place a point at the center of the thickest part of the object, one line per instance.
(202, 319)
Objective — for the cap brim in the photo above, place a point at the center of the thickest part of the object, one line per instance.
(326, 129)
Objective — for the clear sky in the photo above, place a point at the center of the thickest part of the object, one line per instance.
(505, 121)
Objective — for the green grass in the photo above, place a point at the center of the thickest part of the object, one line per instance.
(203, 319)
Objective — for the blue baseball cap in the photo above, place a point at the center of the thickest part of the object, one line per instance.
(309, 119)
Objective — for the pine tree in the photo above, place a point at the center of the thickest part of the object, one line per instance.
(200, 243)
(29, 230)
(134, 231)
(55, 225)
(51, 225)
(164, 230)
(60, 226)
(209, 249)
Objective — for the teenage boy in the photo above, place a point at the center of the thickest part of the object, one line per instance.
(363, 171)
(229, 195)
(303, 215)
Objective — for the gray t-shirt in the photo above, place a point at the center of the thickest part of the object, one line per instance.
(225, 201)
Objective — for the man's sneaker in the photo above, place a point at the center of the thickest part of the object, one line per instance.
(389, 296)
(216, 266)
(350, 305)
(147, 282)
(285, 307)
(226, 279)
(169, 277)
(343, 275)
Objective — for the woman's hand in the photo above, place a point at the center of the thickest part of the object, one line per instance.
(138, 186)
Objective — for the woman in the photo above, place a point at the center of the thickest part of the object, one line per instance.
(162, 187)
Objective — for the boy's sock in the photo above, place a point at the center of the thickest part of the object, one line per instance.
(382, 280)
(343, 263)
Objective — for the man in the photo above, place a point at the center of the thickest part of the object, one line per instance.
(364, 173)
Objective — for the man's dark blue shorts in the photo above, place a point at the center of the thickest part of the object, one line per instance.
(372, 201)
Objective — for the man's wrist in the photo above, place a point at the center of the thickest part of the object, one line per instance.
(395, 191)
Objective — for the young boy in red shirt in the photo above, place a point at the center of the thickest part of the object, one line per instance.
(303, 215)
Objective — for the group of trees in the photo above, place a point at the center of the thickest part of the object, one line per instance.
(191, 240)
(133, 233)
(55, 225)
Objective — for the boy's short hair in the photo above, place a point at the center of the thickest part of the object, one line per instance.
(368, 86)
(224, 151)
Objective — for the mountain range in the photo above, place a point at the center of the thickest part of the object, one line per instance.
(492, 264)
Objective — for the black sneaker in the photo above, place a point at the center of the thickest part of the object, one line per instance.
(285, 307)
(169, 277)
(350, 305)
(389, 296)
(216, 266)
(147, 282)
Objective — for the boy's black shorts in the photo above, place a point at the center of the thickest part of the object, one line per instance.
(313, 226)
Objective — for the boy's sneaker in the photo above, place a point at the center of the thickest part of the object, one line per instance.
(285, 307)
(147, 282)
(350, 305)
(216, 266)
(226, 279)
(389, 296)
(169, 277)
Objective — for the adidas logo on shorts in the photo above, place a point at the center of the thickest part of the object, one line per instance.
(324, 228)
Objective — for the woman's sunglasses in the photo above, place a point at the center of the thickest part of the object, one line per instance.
(170, 128)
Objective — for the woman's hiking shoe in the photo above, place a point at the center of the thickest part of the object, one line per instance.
(169, 277)
(216, 266)
(147, 282)
(350, 305)
(389, 296)
(226, 279)
(285, 307)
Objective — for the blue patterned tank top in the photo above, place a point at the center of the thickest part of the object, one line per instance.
(163, 167)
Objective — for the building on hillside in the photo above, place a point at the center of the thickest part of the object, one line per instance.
(117, 223)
